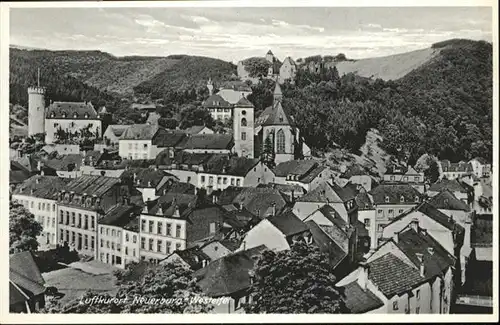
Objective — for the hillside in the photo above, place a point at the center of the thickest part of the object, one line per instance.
(388, 67)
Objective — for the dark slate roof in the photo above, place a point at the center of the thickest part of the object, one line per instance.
(235, 166)
(183, 158)
(229, 274)
(363, 201)
(326, 244)
(435, 215)
(45, 187)
(360, 301)
(295, 167)
(413, 242)
(447, 201)
(16, 294)
(232, 244)
(168, 139)
(243, 102)
(193, 256)
(392, 276)
(394, 192)
(288, 223)
(216, 101)
(274, 115)
(169, 202)
(328, 192)
(91, 184)
(27, 163)
(144, 177)
(285, 188)
(120, 215)
(24, 272)
(258, 201)
(18, 176)
(117, 129)
(139, 132)
(207, 141)
(238, 217)
(452, 185)
(482, 231)
(81, 109)
(132, 225)
(61, 162)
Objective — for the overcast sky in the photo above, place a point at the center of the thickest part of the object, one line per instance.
(235, 33)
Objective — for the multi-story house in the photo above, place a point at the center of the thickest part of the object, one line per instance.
(358, 175)
(480, 167)
(306, 173)
(451, 170)
(460, 190)
(277, 232)
(82, 202)
(136, 142)
(175, 222)
(288, 70)
(113, 133)
(391, 200)
(405, 175)
(112, 247)
(65, 166)
(219, 108)
(328, 193)
(39, 194)
(409, 274)
(148, 181)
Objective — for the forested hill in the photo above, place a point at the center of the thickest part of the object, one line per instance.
(443, 107)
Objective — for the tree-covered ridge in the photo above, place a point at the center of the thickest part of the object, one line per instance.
(443, 107)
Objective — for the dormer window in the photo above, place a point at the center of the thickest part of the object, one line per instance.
(386, 199)
(281, 118)
(402, 199)
(417, 179)
(243, 112)
(417, 198)
(52, 114)
(64, 115)
(86, 115)
(75, 115)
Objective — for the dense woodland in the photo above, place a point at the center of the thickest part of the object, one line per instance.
(443, 107)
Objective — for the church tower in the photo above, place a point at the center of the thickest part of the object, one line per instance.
(36, 108)
(243, 124)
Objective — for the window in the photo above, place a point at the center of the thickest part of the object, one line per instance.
(392, 178)
(113, 233)
(53, 207)
(417, 179)
(126, 250)
(391, 211)
(130, 146)
(178, 231)
(280, 142)
(143, 225)
(158, 246)
(203, 179)
(92, 222)
(178, 246)
(43, 206)
(118, 247)
(243, 123)
(212, 228)
(243, 136)
(145, 146)
(143, 243)
(102, 243)
(401, 211)
(53, 222)
(219, 180)
(169, 229)
(405, 178)
(39, 206)
(159, 228)
(238, 182)
(243, 113)
(402, 199)
(107, 243)
(151, 244)
(151, 225)
(395, 305)
(107, 231)
(418, 294)
(126, 237)
(133, 252)
(145, 156)
(134, 239)
(381, 227)
(416, 198)
(169, 246)
(92, 242)
(386, 199)
(224, 181)
(367, 222)
(232, 181)
(32, 204)
(417, 310)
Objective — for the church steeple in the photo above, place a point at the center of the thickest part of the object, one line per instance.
(278, 95)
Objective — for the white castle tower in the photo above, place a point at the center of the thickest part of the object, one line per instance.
(243, 128)
(36, 108)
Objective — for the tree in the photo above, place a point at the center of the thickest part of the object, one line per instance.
(299, 280)
(168, 123)
(191, 115)
(268, 152)
(23, 229)
(144, 288)
(432, 173)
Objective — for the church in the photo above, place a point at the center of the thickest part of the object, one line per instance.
(274, 128)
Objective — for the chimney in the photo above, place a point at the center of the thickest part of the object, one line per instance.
(203, 263)
(274, 209)
(363, 275)
(39, 165)
(420, 257)
(240, 207)
(149, 183)
(414, 224)
(430, 250)
(37, 180)
(422, 269)
(244, 245)
(145, 208)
